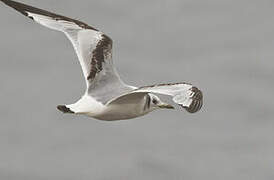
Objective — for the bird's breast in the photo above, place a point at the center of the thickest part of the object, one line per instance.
(122, 111)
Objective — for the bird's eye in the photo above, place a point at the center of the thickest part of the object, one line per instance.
(154, 101)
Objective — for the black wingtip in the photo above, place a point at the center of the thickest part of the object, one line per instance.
(24, 9)
(4, 1)
(197, 101)
(64, 109)
(17, 6)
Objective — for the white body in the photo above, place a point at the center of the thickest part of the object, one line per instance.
(132, 108)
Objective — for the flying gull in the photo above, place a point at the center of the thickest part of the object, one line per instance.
(107, 97)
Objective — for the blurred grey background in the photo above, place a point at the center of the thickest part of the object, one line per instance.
(225, 47)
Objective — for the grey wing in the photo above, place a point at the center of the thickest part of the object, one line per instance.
(93, 49)
(184, 94)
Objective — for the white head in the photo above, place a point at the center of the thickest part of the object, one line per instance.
(154, 102)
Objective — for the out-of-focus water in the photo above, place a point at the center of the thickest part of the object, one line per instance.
(225, 47)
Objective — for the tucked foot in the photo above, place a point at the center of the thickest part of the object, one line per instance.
(64, 109)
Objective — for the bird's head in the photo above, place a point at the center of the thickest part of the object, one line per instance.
(156, 103)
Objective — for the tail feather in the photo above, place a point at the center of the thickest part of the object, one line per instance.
(64, 109)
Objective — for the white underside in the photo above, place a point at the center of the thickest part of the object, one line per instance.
(88, 106)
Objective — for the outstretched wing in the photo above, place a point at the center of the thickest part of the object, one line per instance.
(184, 94)
(93, 48)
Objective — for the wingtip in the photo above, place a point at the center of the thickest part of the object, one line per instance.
(197, 101)
(5, 1)
(17, 6)
(26, 9)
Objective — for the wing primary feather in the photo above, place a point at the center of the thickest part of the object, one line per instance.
(24, 9)
(197, 101)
